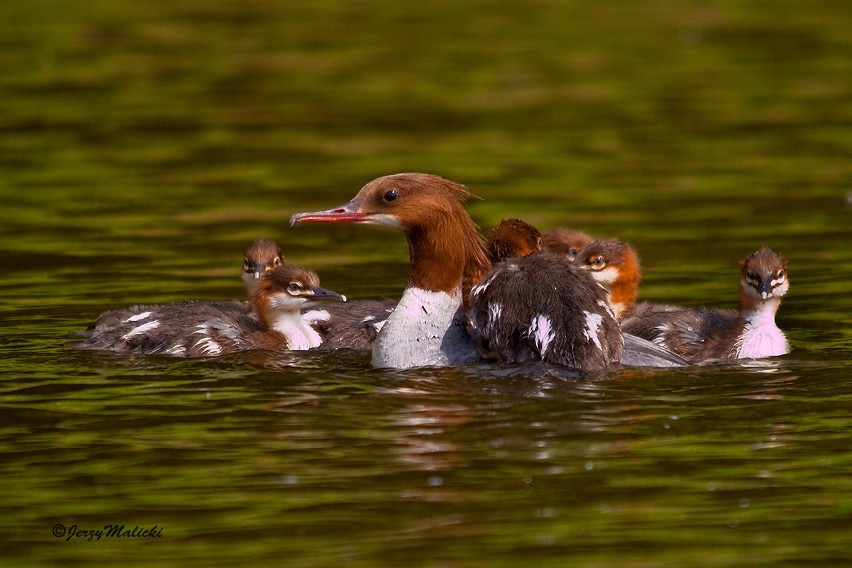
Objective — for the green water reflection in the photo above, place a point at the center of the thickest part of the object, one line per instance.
(143, 145)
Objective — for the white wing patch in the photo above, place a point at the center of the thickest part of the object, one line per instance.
(178, 350)
(207, 346)
(541, 330)
(607, 307)
(593, 326)
(137, 317)
(481, 287)
(139, 329)
(313, 316)
(494, 313)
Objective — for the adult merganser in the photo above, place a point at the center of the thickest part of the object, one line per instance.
(447, 255)
(705, 334)
(566, 242)
(199, 328)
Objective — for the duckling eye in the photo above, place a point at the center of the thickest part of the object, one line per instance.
(294, 287)
(390, 195)
(246, 266)
(780, 276)
(598, 262)
(276, 261)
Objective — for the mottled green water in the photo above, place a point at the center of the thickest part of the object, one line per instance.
(143, 145)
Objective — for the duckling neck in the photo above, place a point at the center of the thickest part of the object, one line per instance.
(299, 334)
(622, 298)
(761, 336)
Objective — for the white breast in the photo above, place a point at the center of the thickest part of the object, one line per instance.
(300, 335)
(425, 328)
(761, 336)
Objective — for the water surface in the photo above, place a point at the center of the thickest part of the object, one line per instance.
(144, 146)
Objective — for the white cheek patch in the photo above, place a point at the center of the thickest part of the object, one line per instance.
(606, 276)
(384, 220)
(285, 301)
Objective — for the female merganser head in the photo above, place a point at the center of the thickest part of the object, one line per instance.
(615, 265)
(705, 334)
(512, 238)
(566, 242)
(201, 328)
(447, 255)
(262, 256)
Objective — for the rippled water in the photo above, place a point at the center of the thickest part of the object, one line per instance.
(144, 146)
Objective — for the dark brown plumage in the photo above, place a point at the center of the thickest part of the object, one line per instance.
(565, 242)
(199, 328)
(540, 307)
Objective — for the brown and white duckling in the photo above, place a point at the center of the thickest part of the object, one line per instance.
(706, 334)
(615, 265)
(202, 328)
(262, 256)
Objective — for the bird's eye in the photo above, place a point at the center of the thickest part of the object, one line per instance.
(246, 266)
(277, 261)
(390, 195)
(294, 287)
(780, 275)
(598, 262)
(573, 252)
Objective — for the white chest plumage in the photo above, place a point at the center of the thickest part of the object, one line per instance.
(761, 337)
(425, 328)
(300, 335)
